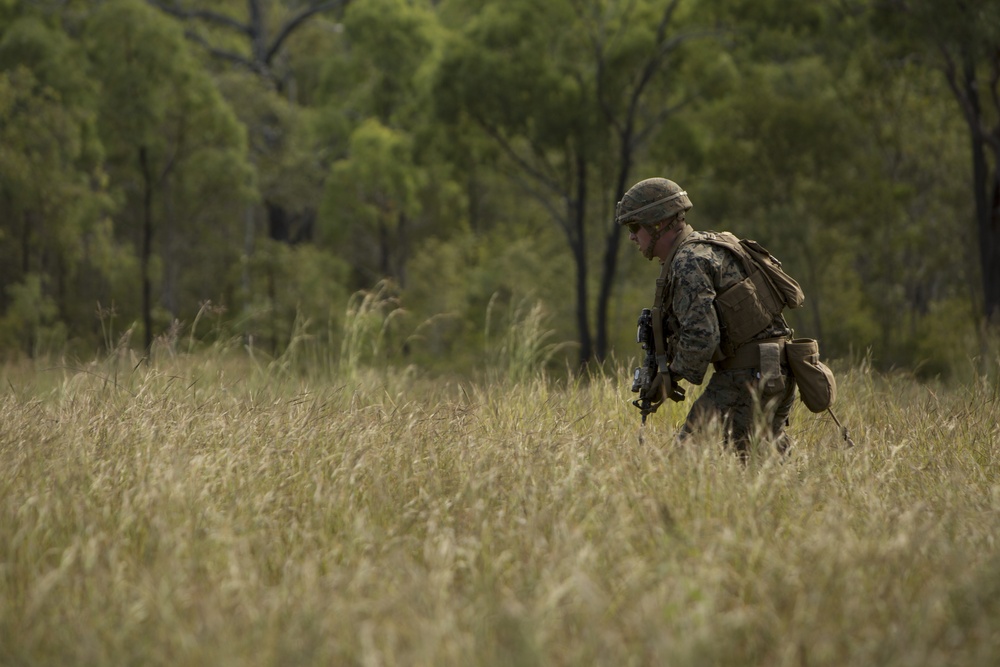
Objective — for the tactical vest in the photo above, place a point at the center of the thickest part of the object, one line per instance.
(750, 306)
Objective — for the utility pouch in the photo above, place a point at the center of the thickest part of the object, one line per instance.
(741, 312)
(817, 385)
(771, 380)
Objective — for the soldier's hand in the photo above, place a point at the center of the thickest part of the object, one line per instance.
(675, 392)
(663, 387)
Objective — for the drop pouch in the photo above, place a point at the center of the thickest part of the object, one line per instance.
(816, 382)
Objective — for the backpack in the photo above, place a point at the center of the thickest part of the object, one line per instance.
(782, 290)
(774, 290)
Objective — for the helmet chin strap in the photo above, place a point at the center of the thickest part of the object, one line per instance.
(654, 237)
(657, 232)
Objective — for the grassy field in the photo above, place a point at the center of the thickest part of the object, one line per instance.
(208, 511)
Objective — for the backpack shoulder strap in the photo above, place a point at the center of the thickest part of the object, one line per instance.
(660, 299)
(730, 242)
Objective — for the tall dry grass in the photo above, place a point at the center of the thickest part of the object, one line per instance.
(211, 511)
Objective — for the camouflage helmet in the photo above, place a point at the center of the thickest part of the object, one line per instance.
(650, 201)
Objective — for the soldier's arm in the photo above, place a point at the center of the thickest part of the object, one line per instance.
(693, 305)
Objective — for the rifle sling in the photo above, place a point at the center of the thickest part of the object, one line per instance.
(659, 301)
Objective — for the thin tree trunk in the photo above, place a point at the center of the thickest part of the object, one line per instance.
(249, 233)
(147, 246)
(612, 242)
(404, 251)
(579, 243)
(26, 243)
(170, 255)
(991, 268)
(987, 220)
(384, 250)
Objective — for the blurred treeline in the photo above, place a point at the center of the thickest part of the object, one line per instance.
(176, 170)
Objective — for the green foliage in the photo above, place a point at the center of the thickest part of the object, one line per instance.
(518, 343)
(297, 290)
(378, 183)
(470, 150)
(372, 199)
(53, 200)
(388, 189)
(171, 140)
(370, 329)
(824, 162)
(31, 322)
(457, 283)
(944, 341)
(281, 141)
(975, 25)
(515, 76)
(396, 38)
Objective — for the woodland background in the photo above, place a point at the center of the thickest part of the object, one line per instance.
(178, 173)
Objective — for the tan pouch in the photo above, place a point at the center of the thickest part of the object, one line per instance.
(817, 385)
(741, 312)
(771, 380)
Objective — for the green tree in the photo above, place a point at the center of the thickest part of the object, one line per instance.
(962, 41)
(389, 190)
(54, 238)
(256, 41)
(572, 93)
(842, 162)
(376, 188)
(168, 134)
(252, 47)
(259, 38)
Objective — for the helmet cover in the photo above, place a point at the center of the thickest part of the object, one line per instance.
(650, 201)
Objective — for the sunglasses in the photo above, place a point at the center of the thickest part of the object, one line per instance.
(633, 227)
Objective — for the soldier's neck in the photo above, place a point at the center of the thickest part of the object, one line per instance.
(674, 241)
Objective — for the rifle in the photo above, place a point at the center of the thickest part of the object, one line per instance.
(643, 376)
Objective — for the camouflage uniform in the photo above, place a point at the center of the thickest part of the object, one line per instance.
(697, 273)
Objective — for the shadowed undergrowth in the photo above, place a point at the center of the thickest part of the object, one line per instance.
(209, 513)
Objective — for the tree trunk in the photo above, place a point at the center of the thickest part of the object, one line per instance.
(26, 243)
(147, 246)
(612, 242)
(171, 256)
(986, 197)
(578, 241)
(246, 287)
(278, 224)
(384, 249)
(991, 268)
(404, 251)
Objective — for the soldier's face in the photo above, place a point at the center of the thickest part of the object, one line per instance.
(639, 235)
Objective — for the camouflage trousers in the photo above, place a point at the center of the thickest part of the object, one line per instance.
(734, 400)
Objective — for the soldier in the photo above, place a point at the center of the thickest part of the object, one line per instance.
(711, 308)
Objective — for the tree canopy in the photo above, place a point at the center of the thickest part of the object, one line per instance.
(272, 157)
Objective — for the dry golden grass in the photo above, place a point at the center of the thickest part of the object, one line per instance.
(207, 512)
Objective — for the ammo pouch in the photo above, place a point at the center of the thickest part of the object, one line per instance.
(745, 310)
(817, 385)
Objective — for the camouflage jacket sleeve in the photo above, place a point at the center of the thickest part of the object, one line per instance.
(692, 323)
